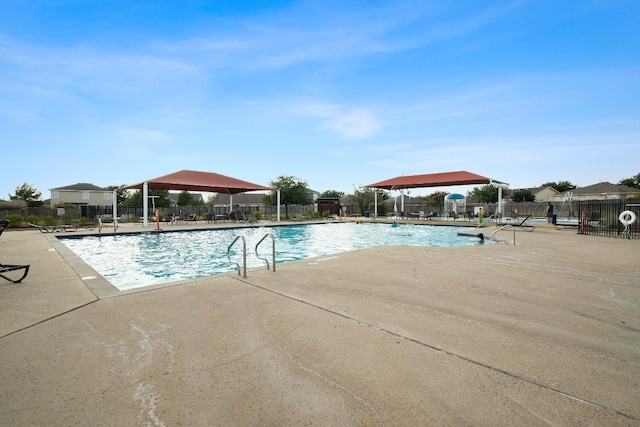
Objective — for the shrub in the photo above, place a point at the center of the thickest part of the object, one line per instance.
(49, 220)
(15, 220)
(33, 219)
(258, 215)
(66, 218)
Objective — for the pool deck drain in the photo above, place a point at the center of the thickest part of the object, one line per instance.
(545, 332)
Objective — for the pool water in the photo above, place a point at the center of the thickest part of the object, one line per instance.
(135, 260)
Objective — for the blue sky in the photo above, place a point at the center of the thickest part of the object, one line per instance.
(336, 93)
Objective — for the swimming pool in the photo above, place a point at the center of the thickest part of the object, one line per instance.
(135, 260)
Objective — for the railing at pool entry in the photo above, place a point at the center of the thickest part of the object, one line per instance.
(505, 227)
(273, 251)
(244, 255)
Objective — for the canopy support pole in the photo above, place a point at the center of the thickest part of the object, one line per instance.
(375, 202)
(145, 204)
(115, 210)
(499, 207)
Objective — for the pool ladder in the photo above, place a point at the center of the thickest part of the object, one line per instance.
(244, 253)
(505, 227)
(273, 251)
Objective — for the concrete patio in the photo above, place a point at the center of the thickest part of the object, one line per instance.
(546, 332)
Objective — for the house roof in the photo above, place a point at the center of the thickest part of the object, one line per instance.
(605, 187)
(535, 190)
(175, 196)
(198, 181)
(81, 186)
(433, 180)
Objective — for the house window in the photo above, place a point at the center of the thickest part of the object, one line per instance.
(107, 196)
(55, 194)
(85, 195)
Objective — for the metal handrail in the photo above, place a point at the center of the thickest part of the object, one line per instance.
(273, 250)
(505, 227)
(244, 255)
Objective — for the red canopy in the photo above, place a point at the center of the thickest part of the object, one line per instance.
(199, 181)
(433, 180)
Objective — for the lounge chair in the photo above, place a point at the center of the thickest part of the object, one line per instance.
(44, 228)
(524, 226)
(52, 228)
(191, 217)
(5, 268)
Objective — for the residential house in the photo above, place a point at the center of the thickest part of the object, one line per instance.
(600, 191)
(541, 194)
(81, 194)
(247, 201)
(197, 199)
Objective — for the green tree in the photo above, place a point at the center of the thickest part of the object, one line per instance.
(365, 199)
(436, 199)
(292, 192)
(523, 196)
(121, 193)
(633, 182)
(162, 201)
(486, 193)
(332, 193)
(185, 199)
(560, 186)
(29, 194)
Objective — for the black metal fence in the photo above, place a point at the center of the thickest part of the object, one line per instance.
(594, 217)
(610, 218)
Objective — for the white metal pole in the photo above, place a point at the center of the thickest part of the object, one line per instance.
(145, 204)
(115, 210)
(375, 202)
(278, 204)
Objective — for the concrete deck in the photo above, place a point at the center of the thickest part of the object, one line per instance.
(546, 332)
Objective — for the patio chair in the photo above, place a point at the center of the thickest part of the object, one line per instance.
(44, 228)
(432, 215)
(191, 217)
(524, 226)
(5, 268)
(239, 216)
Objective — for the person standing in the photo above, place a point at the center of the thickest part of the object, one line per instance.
(550, 209)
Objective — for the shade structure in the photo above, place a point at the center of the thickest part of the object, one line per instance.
(189, 180)
(432, 180)
(454, 196)
(435, 180)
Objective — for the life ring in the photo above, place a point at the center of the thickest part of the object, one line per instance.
(627, 218)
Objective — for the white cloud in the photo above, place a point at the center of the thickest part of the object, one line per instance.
(355, 124)
(350, 123)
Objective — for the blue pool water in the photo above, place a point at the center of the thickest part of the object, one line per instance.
(135, 260)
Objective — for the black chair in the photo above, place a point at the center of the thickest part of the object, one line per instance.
(5, 268)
